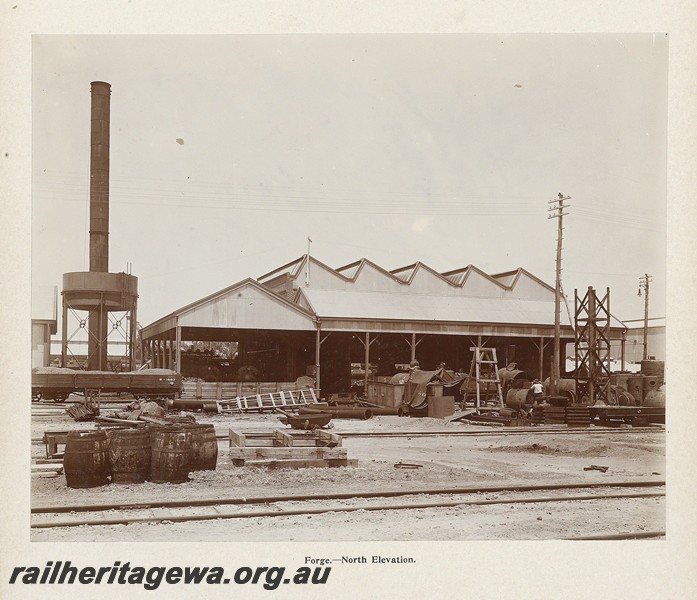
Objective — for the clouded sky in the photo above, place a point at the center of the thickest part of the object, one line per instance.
(227, 152)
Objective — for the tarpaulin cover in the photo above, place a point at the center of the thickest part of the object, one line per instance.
(417, 386)
(417, 382)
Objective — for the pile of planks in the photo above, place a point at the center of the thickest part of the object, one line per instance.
(80, 412)
(578, 416)
(294, 449)
(554, 415)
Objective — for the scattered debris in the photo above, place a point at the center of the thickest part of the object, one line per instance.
(596, 468)
(81, 413)
(459, 415)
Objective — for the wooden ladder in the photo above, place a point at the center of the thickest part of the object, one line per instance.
(484, 370)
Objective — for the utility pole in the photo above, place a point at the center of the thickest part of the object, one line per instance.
(644, 285)
(556, 210)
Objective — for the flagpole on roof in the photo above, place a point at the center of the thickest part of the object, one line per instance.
(307, 266)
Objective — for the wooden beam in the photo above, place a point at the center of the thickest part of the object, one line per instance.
(236, 438)
(281, 438)
(367, 362)
(247, 453)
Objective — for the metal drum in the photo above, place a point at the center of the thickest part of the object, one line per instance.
(515, 399)
(508, 376)
(86, 459)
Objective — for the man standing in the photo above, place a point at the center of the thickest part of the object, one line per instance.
(537, 391)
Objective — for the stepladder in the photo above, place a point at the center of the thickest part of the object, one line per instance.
(484, 373)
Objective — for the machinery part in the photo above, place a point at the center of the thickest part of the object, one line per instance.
(655, 398)
(339, 413)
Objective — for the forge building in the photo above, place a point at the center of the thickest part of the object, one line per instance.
(306, 318)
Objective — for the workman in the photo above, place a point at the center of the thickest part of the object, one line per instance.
(537, 391)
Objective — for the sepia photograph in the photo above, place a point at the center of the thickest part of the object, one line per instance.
(348, 287)
(349, 299)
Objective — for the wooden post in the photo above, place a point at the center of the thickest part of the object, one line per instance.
(413, 346)
(542, 363)
(178, 365)
(367, 362)
(64, 336)
(133, 338)
(318, 345)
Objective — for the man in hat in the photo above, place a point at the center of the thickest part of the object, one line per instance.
(537, 391)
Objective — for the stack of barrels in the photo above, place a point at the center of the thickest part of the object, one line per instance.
(161, 454)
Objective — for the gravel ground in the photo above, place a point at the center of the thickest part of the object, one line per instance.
(448, 461)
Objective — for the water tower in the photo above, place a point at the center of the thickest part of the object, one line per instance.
(99, 302)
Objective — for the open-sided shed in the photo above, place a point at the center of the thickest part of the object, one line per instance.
(307, 318)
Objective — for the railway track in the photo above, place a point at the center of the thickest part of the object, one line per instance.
(501, 431)
(318, 504)
(479, 433)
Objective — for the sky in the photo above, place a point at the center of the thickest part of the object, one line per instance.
(227, 152)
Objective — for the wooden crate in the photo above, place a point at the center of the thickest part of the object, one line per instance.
(278, 445)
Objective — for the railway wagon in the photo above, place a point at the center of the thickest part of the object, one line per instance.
(51, 383)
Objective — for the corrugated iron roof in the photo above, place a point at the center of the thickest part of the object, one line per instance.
(426, 307)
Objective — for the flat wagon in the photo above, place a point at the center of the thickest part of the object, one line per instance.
(53, 383)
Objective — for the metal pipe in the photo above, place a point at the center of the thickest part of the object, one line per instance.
(341, 413)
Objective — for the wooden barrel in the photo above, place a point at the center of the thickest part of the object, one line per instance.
(204, 446)
(129, 455)
(170, 459)
(86, 459)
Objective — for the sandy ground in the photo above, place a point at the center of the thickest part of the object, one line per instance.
(448, 461)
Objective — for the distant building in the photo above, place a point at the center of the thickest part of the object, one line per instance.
(656, 342)
(44, 324)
